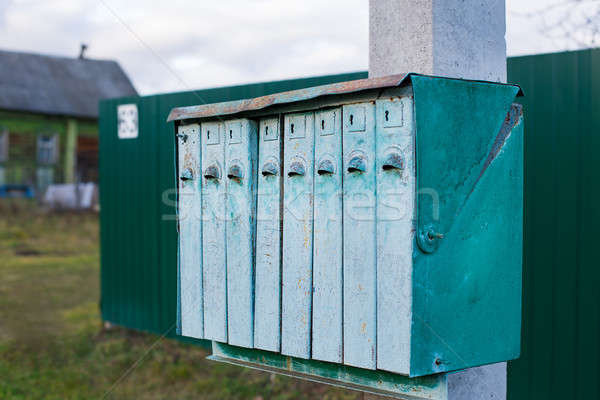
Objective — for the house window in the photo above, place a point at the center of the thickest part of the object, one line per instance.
(3, 146)
(47, 149)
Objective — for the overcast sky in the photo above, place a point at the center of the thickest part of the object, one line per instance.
(189, 44)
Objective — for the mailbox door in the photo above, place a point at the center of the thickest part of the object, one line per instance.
(190, 226)
(267, 323)
(297, 234)
(467, 274)
(359, 235)
(240, 167)
(327, 254)
(395, 232)
(213, 232)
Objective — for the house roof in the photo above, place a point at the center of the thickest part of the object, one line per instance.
(59, 85)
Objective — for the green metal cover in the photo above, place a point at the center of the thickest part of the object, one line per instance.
(467, 287)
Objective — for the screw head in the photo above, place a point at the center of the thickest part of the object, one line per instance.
(429, 238)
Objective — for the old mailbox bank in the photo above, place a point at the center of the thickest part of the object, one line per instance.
(366, 233)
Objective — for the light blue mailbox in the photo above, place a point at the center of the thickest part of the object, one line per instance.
(366, 233)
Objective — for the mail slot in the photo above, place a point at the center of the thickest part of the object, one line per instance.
(371, 225)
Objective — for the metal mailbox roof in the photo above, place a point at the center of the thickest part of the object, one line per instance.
(259, 103)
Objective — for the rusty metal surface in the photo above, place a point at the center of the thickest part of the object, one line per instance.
(258, 103)
(390, 385)
(513, 117)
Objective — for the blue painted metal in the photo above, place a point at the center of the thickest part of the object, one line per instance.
(327, 331)
(138, 201)
(240, 164)
(297, 234)
(359, 249)
(267, 311)
(213, 231)
(396, 189)
(190, 229)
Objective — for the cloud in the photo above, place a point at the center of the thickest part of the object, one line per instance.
(203, 43)
(184, 44)
(3, 8)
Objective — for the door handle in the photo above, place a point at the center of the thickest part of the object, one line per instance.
(358, 163)
(235, 172)
(187, 175)
(297, 169)
(212, 172)
(270, 168)
(326, 167)
(393, 161)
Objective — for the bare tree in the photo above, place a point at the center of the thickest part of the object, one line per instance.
(570, 24)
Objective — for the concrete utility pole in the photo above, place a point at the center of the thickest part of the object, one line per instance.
(454, 38)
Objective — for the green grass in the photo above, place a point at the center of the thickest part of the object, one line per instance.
(53, 346)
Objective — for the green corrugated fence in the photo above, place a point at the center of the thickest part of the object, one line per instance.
(561, 305)
(561, 316)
